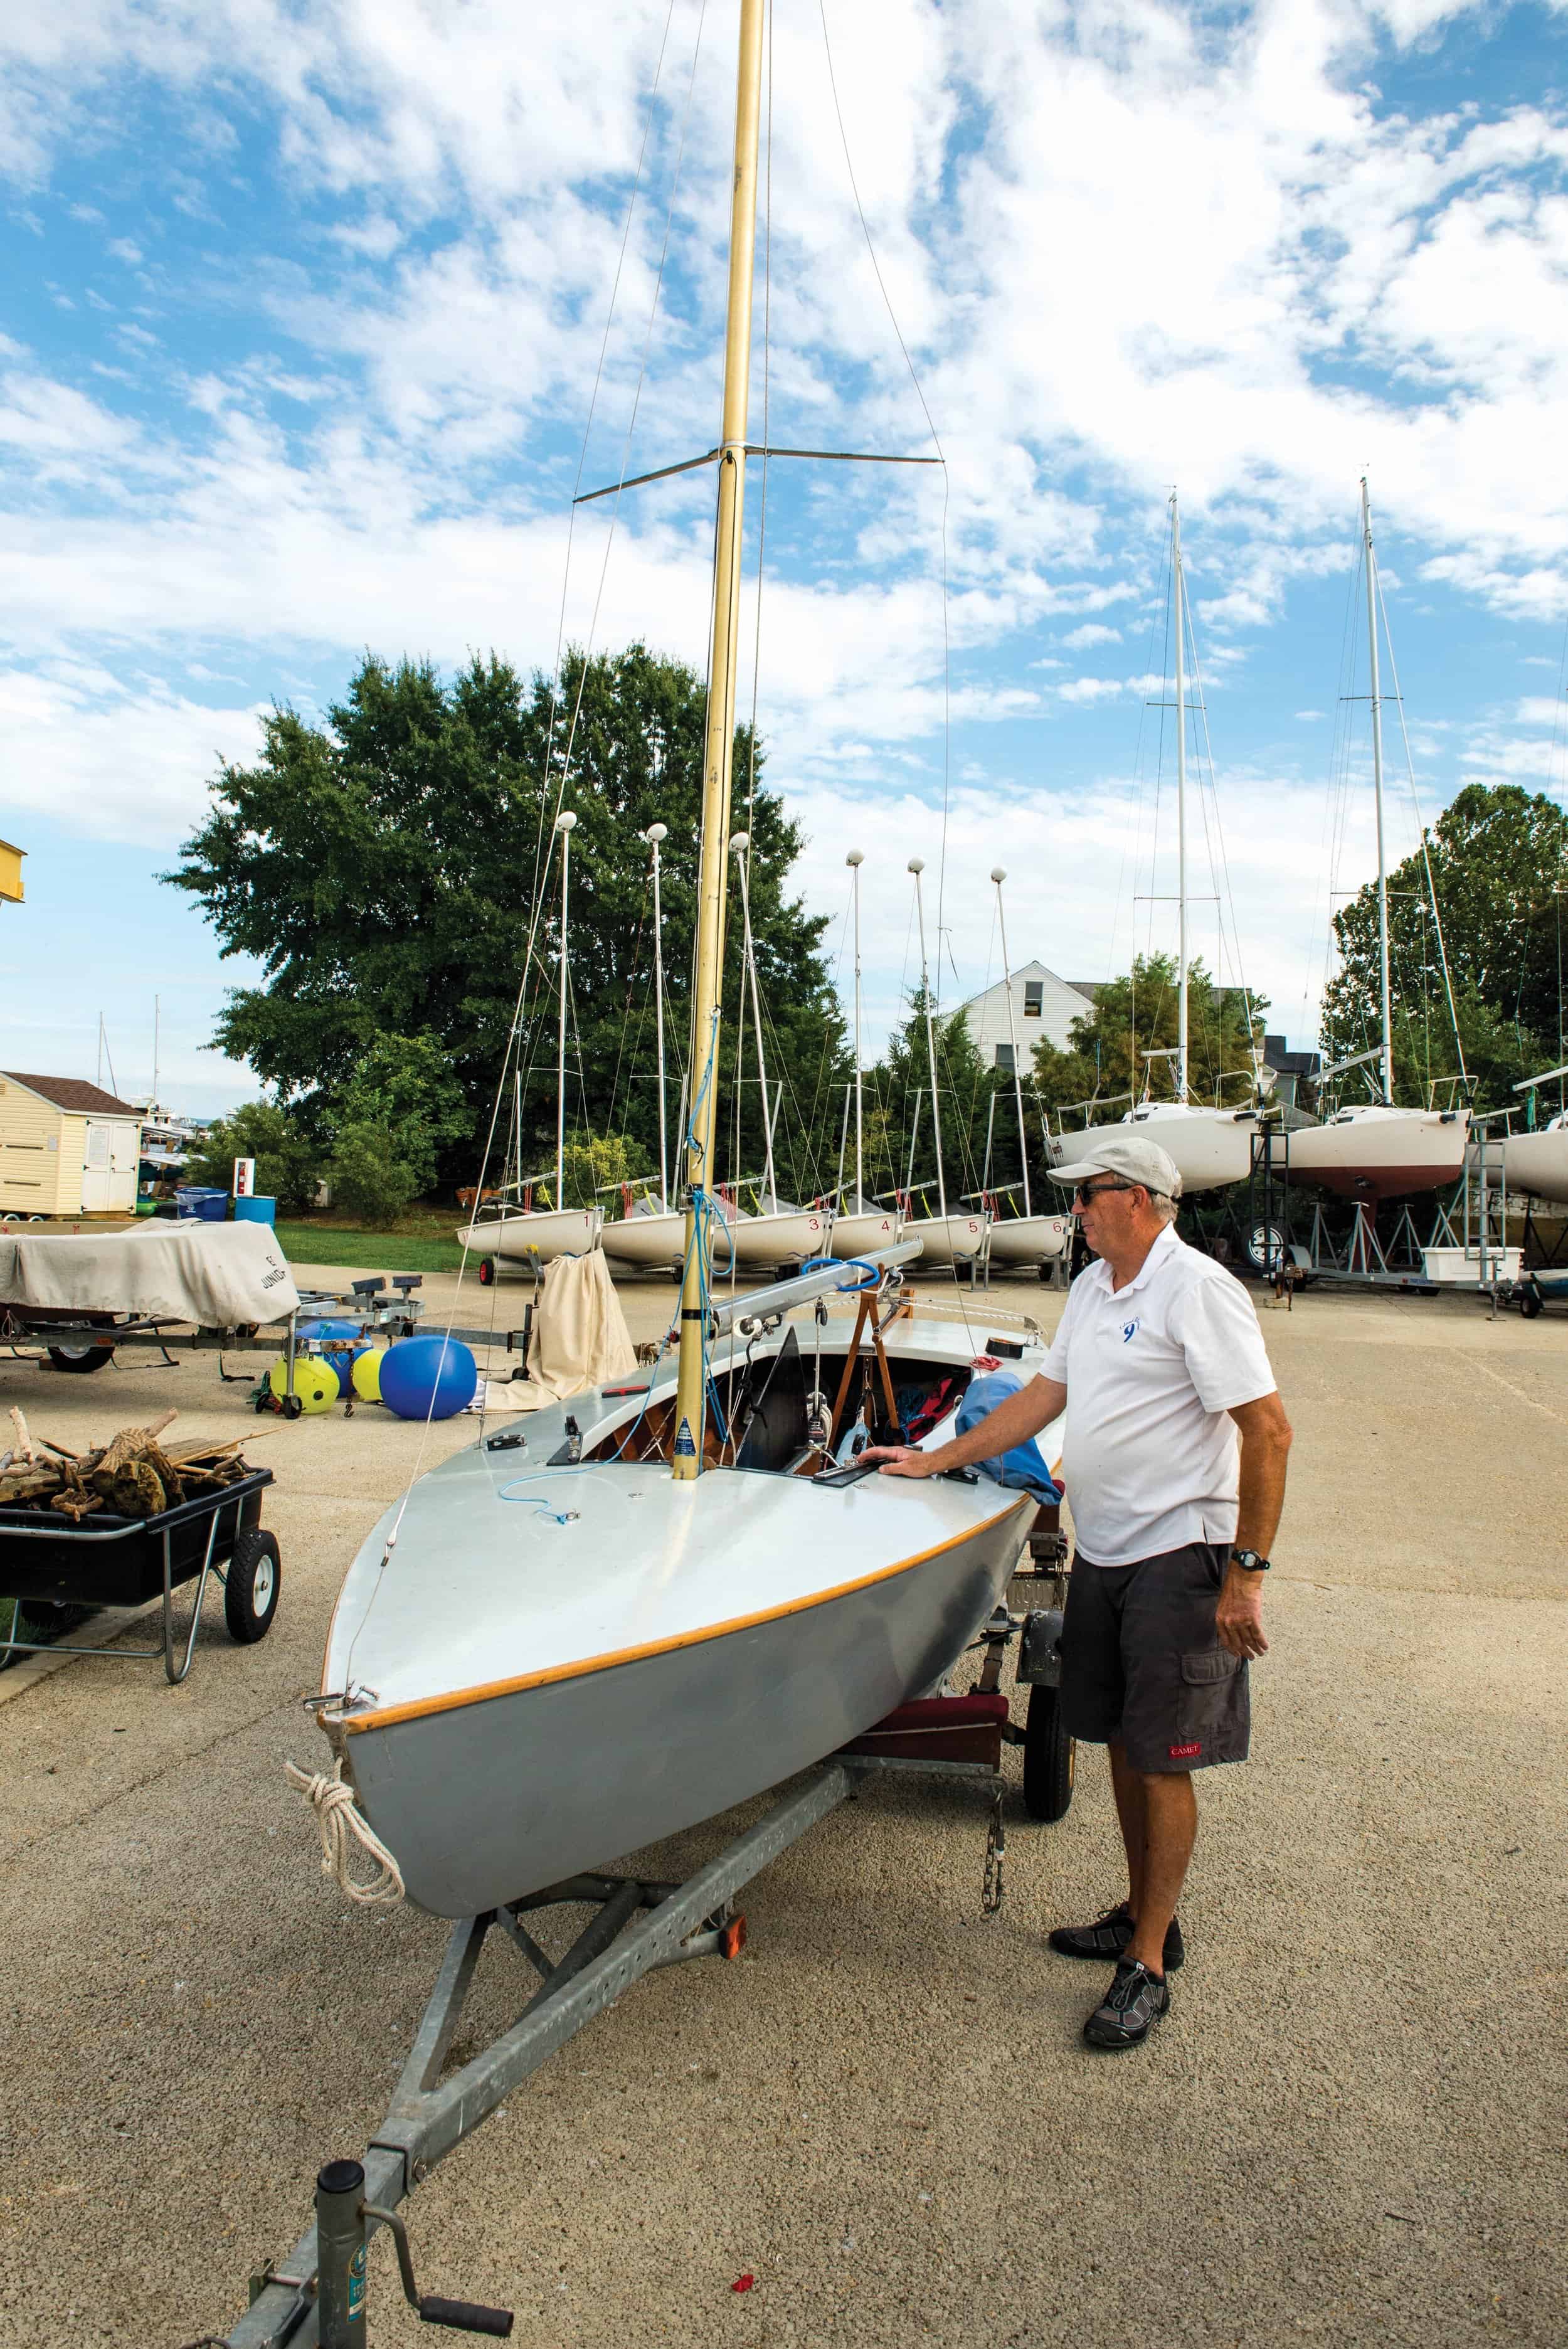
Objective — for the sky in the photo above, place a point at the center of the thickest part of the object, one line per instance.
(316, 313)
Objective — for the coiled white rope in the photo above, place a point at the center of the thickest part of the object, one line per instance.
(342, 1824)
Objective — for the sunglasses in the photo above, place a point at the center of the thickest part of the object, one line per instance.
(1084, 1196)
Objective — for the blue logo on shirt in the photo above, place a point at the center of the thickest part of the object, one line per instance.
(1128, 1331)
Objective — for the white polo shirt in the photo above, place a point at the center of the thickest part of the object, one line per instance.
(1151, 1459)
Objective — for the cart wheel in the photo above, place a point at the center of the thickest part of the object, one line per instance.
(251, 1586)
(1048, 1757)
(1531, 1301)
(80, 1358)
(487, 1272)
(292, 1406)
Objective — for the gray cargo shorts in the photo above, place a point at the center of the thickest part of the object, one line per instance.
(1142, 1667)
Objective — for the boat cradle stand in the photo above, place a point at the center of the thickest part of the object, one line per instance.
(317, 2299)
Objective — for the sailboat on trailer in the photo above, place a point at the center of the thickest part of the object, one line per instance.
(1378, 1150)
(545, 1657)
(1211, 1147)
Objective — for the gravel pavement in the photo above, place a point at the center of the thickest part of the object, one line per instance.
(1351, 2128)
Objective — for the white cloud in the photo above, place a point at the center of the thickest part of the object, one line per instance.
(1092, 633)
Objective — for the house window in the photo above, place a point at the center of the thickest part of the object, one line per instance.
(1033, 999)
(1005, 1057)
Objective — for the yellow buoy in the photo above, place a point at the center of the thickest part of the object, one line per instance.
(314, 1384)
(366, 1375)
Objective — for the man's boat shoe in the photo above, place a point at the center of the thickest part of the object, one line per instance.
(1130, 2008)
(1110, 1935)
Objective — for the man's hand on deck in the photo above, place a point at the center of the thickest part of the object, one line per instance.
(901, 1460)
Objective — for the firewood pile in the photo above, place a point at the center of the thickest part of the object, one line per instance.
(133, 1476)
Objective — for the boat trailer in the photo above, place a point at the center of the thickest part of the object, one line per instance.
(318, 2297)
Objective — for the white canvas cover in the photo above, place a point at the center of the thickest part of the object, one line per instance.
(216, 1275)
(580, 1334)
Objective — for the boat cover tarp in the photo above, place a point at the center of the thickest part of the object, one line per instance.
(216, 1275)
(580, 1335)
(1024, 1466)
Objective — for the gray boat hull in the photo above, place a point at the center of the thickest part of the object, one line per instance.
(570, 1774)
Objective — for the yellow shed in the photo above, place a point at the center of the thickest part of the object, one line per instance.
(66, 1148)
(11, 888)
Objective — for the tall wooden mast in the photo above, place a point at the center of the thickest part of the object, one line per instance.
(719, 753)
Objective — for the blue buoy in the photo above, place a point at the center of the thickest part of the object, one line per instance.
(427, 1378)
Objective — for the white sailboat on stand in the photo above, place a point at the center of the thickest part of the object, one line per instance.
(1378, 1150)
(862, 1225)
(944, 1240)
(1027, 1238)
(541, 1659)
(1212, 1147)
(526, 1234)
(779, 1236)
(650, 1237)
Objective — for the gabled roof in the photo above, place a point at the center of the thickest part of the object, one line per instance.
(72, 1093)
(1024, 970)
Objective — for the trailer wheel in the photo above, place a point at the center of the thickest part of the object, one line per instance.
(80, 1358)
(1531, 1301)
(251, 1586)
(1049, 1754)
(487, 1272)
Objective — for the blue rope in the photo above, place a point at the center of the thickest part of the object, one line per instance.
(848, 1263)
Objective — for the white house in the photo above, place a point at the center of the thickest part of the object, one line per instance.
(1043, 1005)
(66, 1148)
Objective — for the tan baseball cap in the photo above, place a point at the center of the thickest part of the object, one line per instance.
(1128, 1155)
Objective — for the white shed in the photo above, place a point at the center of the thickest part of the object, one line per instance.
(1043, 1005)
(66, 1148)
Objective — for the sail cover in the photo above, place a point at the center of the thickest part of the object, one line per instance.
(580, 1334)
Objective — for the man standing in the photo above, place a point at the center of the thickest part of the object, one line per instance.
(1159, 1364)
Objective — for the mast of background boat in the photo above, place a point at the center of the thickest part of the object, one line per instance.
(1387, 1040)
(654, 835)
(563, 825)
(917, 866)
(854, 860)
(741, 847)
(999, 875)
(718, 751)
(1176, 584)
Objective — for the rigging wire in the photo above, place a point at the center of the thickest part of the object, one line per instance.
(1421, 833)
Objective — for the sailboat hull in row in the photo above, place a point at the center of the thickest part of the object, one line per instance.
(1211, 1147)
(1030, 1239)
(857, 1234)
(1374, 1153)
(787, 1238)
(519, 1239)
(658, 1242)
(1536, 1164)
(949, 1239)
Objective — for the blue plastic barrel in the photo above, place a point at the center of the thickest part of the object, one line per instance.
(199, 1199)
(255, 1211)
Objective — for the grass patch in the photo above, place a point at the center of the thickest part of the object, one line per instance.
(325, 1241)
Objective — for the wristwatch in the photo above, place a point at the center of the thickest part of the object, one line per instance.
(1249, 1562)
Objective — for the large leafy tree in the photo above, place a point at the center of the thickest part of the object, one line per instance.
(386, 865)
(1498, 857)
(1139, 1014)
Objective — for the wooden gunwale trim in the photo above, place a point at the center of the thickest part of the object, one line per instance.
(389, 1716)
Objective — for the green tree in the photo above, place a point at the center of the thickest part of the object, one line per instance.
(288, 1153)
(367, 1177)
(405, 1086)
(1139, 1014)
(385, 866)
(1499, 856)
